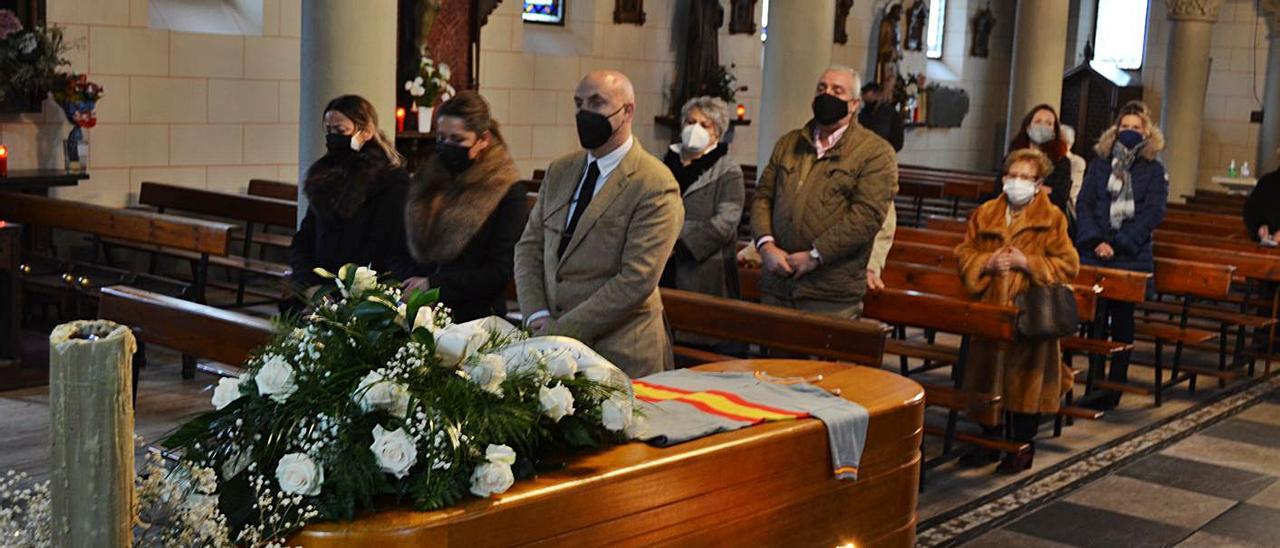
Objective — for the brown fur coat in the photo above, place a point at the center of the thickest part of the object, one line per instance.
(1029, 375)
(445, 211)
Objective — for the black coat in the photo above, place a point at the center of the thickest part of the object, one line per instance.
(474, 284)
(371, 235)
(885, 121)
(1263, 206)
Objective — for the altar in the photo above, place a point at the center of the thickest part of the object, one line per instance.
(768, 485)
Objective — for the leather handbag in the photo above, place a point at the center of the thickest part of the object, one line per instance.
(1047, 312)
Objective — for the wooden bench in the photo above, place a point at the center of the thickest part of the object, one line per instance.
(278, 190)
(251, 212)
(193, 329)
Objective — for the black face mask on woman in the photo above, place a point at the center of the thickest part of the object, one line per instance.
(594, 129)
(456, 158)
(829, 109)
(338, 144)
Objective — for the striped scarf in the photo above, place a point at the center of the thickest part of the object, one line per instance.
(1120, 185)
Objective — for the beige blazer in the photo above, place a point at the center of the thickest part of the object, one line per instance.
(604, 290)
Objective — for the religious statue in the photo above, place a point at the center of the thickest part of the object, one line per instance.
(842, 20)
(427, 17)
(983, 23)
(742, 18)
(917, 19)
(701, 52)
(888, 49)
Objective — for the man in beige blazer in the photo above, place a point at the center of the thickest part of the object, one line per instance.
(605, 222)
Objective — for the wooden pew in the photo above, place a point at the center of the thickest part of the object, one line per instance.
(252, 211)
(278, 190)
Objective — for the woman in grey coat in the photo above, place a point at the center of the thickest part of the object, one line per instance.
(704, 259)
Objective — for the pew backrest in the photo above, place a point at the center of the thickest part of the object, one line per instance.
(857, 341)
(194, 329)
(253, 209)
(280, 190)
(206, 237)
(1195, 279)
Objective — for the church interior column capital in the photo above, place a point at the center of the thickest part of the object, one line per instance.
(1193, 10)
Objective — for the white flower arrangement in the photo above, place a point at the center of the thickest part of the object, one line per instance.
(378, 391)
(431, 85)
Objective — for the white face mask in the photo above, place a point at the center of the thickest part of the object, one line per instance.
(356, 143)
(1040, 134)
(1019, 191)
(694, 138)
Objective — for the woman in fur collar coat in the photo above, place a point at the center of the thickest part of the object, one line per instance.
(1120, 205)
(1016, 241)
(356, 192)
(465, 212)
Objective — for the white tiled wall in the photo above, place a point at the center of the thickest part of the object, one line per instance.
(1238, 68)
(209, 111)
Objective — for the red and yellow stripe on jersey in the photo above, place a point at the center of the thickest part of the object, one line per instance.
(715, 402)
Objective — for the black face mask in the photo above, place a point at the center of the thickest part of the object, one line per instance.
(456, 158)
(829, 109)
(594, 128)
(337, 144)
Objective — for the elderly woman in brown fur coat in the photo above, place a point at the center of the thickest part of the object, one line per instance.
(1014, 241)
(465, 212)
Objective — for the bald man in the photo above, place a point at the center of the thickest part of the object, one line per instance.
(820, 202)
(606, 220)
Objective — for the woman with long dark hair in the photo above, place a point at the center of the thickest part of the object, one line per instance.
(356, 194)
(466, 210)
(1042, 131)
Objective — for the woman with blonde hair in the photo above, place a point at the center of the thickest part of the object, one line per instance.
(1015, 241)
(1120, 205)
(356, 195)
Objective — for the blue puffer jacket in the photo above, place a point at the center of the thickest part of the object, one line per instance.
(1132, 242)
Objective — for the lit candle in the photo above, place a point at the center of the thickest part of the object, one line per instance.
(742, 111)
(399, 119)
(4, 161)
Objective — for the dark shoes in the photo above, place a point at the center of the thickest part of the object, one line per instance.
(1106, 400)
(1016, 464)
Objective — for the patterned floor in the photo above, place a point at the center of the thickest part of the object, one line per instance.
(1206, 477)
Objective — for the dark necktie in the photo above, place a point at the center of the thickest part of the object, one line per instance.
(585, 193)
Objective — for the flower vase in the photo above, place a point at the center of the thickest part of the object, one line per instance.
(76, 151)
(424, 118)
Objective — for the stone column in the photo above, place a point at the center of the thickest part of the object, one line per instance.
(347, 47)
(797, 51)
(1269, 136)
(1039, 49)
(1185, 82)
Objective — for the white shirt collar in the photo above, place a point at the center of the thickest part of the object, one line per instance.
(611, 160)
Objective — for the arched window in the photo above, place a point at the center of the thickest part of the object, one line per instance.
(1120, 33)
(937, 26)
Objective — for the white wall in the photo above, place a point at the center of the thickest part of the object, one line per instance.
(202, 110)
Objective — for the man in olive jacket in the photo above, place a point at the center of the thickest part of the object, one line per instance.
(599, 236)
(820, 202)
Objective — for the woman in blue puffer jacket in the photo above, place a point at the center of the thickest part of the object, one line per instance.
(1121, 203)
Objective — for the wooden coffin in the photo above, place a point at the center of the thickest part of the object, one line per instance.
(769, 485)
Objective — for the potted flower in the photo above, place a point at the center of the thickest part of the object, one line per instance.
(430, 87)
(78, 97)
(29, 61)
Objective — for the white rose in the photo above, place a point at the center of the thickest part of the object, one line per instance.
(488, 371)
(444, 71)
(426, 317)
(561, 365)
(275, 379)
(365, 278)
(227, 391)
(377, 392)
(502, 454)
(299, 475)
(456, 342)
(394, 450)
(491, 478)
(615, 416)
(556, 402)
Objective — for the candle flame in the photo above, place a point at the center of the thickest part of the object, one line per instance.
(400, 112)
(4, 151)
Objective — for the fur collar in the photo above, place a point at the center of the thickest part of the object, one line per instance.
(445, 211)
(338, 184)
(1039, 214)
(1155, 143)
